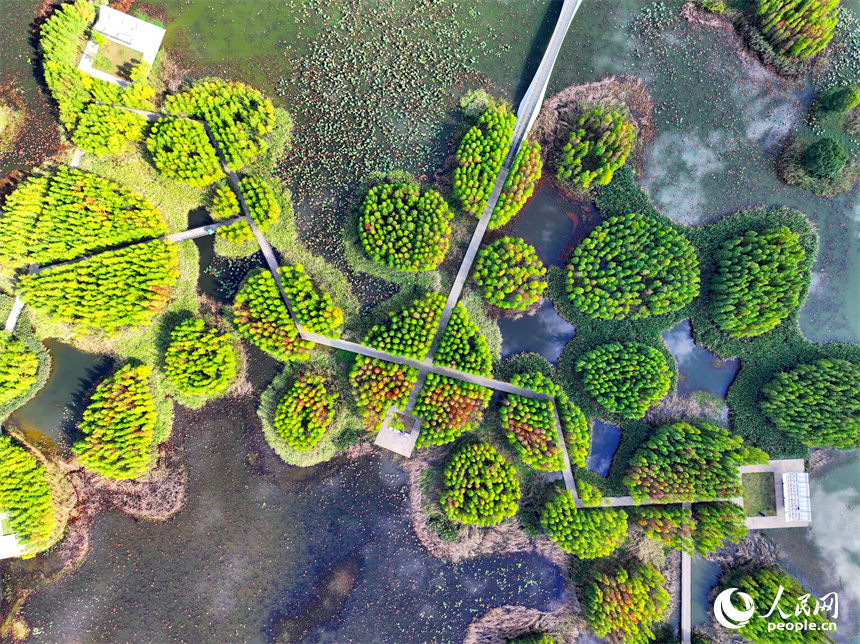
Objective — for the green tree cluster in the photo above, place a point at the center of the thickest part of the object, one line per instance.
(633, 267)
(261, 200)
(626, 601)
(837, 99)
(238, 115)
(314, 307)
(25, 495)
(379, 385)
(764, 583)
(480, 486)
(530, 427)
(627, 378)
(105, 130)
(116, 288)
(479, 158)
(237, 233)
(401, 228)
(449, 408)
(305, 412)
(825, 159)
(409, 332)
(508, 274)
(588, 494)
(200, 360)
(69, 213)
(225, 205)
(758, 281)
(261, 316)
(670, 524)
(118, 425)
(520, 184)
(818, 403)
(587, 533)
(682, 462)
(797, 28)
(596, 149)
(19, 368)
(181, 150)
(463, 347)
(716, 523)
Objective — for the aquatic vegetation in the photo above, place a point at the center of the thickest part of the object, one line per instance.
(626, 378)
(401, 228)
(409, 332)
(379, 385)
(672, 525)
(104, 130)
(238, 116)
(181, 150)
(588, 494)
(26, 496)
(520, 184)
(596, 149)
(462, 346)
(116, 288)
(715, 524)
(586, 533)
(530, 427)
(682, 462)
(262, 203)
(19, 368)
(508, 274)
(305, 412)
(118, 425)
(261, 316)
(822, 166)
(69, 213)
(626, 601)
(480, 486)
(200, 360)
(819, 403)
(758, 281)
(765, 584)
(312, 306)
(479, 158)
(632, 267)
(449, 408)
(797, 28)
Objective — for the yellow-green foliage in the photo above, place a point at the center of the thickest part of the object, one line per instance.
(632, 267)
(519, 185)
(401, 228)
(25, 495)
(672, 525)
(627, 378)
(305, 412)
(818, 403)
(118, 425)
(378, 385)
(312, 306)
(18, 368)
(587, 533)
(508, 274)
(449, 408)
(225, 205)
(237, 233)
(181, 150)
(463, 347)
(409, 332)
(758, 281)
(481, 487)
(588, 494)
(104, 130)
(480, 157)
(262, 317)
(682, 462)
(238, 115)
(530, 426)
(261, 201)
(716, 523)
(55, 217)
(596, 149)
(797, 28)
(116, 288)
(199, 360)
(626, 602)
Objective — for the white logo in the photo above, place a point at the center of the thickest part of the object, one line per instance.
(725, 611)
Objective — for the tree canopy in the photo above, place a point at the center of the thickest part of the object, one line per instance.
(480, 486)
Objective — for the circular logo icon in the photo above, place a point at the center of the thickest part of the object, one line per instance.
(727, 614)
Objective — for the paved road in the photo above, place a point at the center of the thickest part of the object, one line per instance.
(686, 594)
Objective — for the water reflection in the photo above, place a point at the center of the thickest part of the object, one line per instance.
(604, 442)
(545, 332)
(698, 368)
(704, 576)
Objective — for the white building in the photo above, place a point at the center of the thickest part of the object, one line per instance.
(9, 546)
(795, 492)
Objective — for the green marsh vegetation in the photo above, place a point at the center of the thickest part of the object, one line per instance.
(19, 368)
(181, 150)
(105, 130)
(702, 529)
(508, 274)
(449, 408)
(822, 165)
(586, 533)
(463, 347)
(313, 306)
(596, 149)
(520, 184)
(409, 332)
(304, 413)
(480, 486)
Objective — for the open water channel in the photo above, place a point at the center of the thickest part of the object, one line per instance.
(259, 543)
